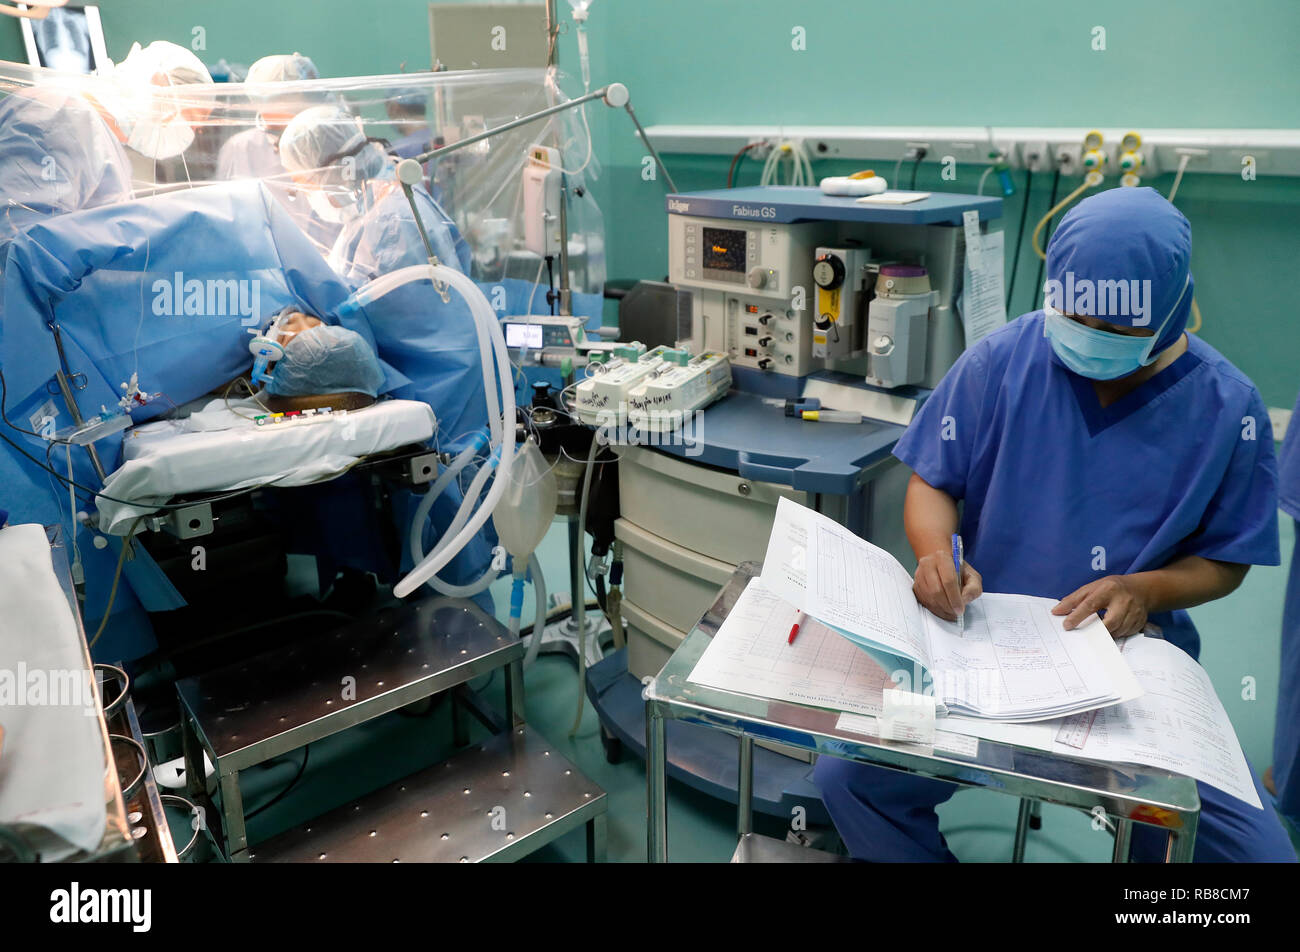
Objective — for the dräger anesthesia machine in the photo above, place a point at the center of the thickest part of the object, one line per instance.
(819, 304)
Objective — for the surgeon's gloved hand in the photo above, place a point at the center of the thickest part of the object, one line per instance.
(326, 359)
(1121, 597)
(937, 587)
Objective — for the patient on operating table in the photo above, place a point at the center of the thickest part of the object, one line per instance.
(324, 365)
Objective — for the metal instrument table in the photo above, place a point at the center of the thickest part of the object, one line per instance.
(256, 710)
(1126, 794)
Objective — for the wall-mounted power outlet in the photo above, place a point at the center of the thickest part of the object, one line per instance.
(1067, 159)
(1035, 156)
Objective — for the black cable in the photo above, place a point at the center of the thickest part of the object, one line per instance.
(281, 795)
(920, 154)
(550, 283)
(1051, 203)
(735, 160)
(1020, 237)
(4, 413)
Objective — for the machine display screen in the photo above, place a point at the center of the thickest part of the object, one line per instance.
(524, 335)
(724, 249)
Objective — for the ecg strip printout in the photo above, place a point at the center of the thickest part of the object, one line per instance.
(750, 654)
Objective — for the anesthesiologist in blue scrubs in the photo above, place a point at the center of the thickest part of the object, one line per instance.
(1102, 456)
(1283, 778)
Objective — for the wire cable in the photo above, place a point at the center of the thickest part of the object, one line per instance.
(117, 578)
(302, 768)
(1020, 233)
(735, 160)
(1090, 180)
(1042, 262)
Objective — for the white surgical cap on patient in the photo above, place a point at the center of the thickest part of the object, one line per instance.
(325, 136)
(282, 68)
(179, 65)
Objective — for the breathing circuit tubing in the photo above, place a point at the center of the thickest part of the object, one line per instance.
(501, 416)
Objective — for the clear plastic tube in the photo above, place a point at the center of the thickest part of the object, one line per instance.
(501, 413)
(462, 515)
(539, 613)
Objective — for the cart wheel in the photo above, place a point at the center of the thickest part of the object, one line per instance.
(613, 746)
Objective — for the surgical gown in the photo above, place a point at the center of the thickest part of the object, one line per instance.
(1286, 737)
(56, 155)
(1059, 492)
(250, 155)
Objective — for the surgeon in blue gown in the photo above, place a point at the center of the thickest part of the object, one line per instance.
(1283, 778)
(1101, 456)
(348, 177)
(113, 277)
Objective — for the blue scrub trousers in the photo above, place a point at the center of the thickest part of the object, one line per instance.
(889, 817)
(1286, 736)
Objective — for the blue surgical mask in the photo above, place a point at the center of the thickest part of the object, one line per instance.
(1100, 355)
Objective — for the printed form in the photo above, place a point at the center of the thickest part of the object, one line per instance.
(750, 654)
(1178, 724)
(1014, 661)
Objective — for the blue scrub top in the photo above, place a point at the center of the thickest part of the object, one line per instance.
(1059, 492)
(1289, 467)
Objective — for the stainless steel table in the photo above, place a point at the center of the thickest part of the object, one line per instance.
(285, 699)
(1118, 795)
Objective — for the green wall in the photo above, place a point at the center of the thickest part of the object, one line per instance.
(992, 62)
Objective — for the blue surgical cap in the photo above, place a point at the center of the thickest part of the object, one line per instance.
(1130, 235)
(326, 359)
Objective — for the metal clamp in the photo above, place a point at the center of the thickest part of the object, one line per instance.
(189, 522)
(172, 799)
(132, 788)
(112, 707)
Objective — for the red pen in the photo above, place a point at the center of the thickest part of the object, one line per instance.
(794, 629)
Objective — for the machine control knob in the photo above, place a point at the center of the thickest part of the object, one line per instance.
(883, 346)
(789, 358)
(789, 337)
(828, 272)
(765, 342)
(764, 319)
(765, 363)
(758, 278)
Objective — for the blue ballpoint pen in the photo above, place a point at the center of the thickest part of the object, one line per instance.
(958, 553)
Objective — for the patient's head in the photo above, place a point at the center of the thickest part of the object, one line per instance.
(293, 324)
(325, 359)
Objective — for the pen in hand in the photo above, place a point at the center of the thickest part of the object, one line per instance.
(958, 554)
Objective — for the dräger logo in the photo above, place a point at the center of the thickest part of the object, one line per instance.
(77, 905)
(676, 206)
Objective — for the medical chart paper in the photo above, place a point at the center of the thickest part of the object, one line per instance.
(1178, 724)
(981, 301)
(751, 654)
(1013, 662)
